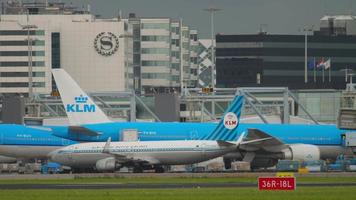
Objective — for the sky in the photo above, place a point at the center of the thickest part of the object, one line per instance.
(235, 16)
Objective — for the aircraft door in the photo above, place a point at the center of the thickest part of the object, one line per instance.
(70, 154)
(203, 149)
(129, 135)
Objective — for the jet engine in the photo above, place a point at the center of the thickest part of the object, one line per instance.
(302, 152)
(106, 164)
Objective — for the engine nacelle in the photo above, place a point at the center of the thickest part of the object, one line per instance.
(106, 164)
(302, 152)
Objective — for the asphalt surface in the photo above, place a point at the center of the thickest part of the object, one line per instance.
(165, 175)
(153, 186)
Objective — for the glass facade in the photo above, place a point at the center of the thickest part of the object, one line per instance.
(154, 63)
(278, 60)
(21, 32)
(155, 51)
(21, 64)
(56, 50)
(22, 43)
(155, 38)
(21, 74)
(164, 26)
(21, 53)
(21, 84)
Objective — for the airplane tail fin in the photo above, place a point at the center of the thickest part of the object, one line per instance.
(80, 108)
(226, 130)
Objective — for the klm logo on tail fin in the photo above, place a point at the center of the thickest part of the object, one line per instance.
(80, 105)
(230, 120)
(226, 130)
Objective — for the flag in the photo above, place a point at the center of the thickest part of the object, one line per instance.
(327, 64)
(321, 64)
(311, 63)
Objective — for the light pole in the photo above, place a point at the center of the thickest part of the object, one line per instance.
(212, 11)
(306, 30)
(347, 71)
(28, 27)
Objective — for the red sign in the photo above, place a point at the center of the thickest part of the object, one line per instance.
(276, 183)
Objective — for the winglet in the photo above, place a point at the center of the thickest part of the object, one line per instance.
(106, 148)
(239, 141)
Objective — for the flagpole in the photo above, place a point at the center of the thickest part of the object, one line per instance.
(330, 70)
(323, 68)
(314, 70)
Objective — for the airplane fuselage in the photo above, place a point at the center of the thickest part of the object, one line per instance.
(152, 152)
(18, 141)
(148, 131)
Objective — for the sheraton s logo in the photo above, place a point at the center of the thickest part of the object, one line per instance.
(80, 105)
(230, 120)
(106, 43)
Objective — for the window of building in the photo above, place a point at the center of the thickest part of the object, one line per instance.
(176, 66)
(155, 75)
(155, 38)
(176, 54)
(22, 43)
(155, 51)
(155, 26)
(22, 64)
(21, 32)
(154, 63)
(175, 42)
(21, 53)
(194, 37)
(21, 84)
(56, 50)
(21, 74)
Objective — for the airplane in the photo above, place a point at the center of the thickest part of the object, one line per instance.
(20, 142)
(88, 123)
(146, 154)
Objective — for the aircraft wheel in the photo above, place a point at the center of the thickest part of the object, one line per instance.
(137, 169)
(159, 169)
(227, 163)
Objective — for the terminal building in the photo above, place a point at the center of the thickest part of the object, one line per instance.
(149, 55)
(279, 60)
(94, 51)
(164, 58)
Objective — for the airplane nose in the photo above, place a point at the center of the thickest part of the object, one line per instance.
(55, 156)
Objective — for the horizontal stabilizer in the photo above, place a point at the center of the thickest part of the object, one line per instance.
(224, 143)
(259, 140)
(82, 131)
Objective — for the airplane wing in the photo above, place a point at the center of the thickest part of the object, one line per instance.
(82, 131)
(258, 140)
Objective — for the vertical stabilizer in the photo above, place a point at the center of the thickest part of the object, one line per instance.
(226, 130)
(79, 107)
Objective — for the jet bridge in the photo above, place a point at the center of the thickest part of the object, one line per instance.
(210, 105)
(347, 113)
